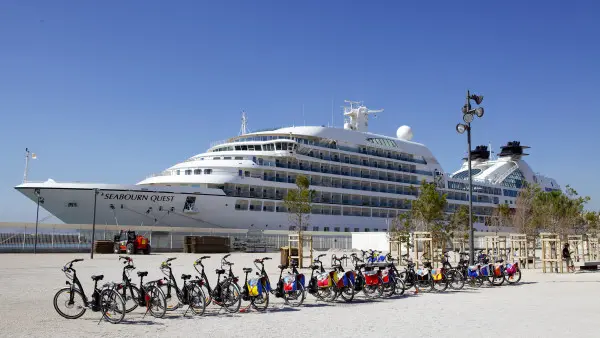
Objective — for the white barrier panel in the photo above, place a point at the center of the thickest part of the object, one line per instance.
(374, 240)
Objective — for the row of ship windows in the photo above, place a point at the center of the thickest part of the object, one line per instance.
(194, 171)
(259, 147)
(333, 145)
(476, 188)
(366, 162)
(369, 187)
(385, 212)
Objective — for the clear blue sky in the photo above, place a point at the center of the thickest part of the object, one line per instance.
(112, 91)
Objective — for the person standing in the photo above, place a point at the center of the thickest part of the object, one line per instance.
(567, 257)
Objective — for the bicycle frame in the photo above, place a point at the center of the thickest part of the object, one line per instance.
(76, 284)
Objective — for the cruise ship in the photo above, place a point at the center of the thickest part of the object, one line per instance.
(361, 181)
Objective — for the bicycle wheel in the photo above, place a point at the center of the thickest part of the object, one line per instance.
(400, 287)
(130, 295)
(112, 305)
(295, 298)
(207, 294)
(72, 309)
(347, 292)
(425, 284)
(196, 299)
(375, 291)
(498, 280)
(456, 279)
(514, 279)
(170, 296)
(408, 282)
(389, 288)
(260, 302)
(156, 302)
(440, 285)
(325, 294)
(231, 296)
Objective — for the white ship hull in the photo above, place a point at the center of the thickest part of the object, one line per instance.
(166, 206)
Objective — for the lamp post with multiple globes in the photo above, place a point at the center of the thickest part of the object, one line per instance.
(468, 117)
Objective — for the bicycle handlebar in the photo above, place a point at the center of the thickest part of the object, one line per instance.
(225, 262)
(199, 260)
(70, 264)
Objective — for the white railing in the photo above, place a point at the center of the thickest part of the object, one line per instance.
(216, 143)
(164, 173)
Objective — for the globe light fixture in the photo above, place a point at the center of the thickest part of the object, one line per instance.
(479, 111)
(468, 118)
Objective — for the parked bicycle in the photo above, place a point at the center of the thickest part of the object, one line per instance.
(289, 287)
(343, 281)
(369, 282)
(418, 279)
(512, 273)
(190, 294)
(255, 291)
(71, 302)
(226, 293)
(149, 294)
(455, 278)
(436, 276)
(471, 273)
(392, 283)
(320, 284)
(488, 271)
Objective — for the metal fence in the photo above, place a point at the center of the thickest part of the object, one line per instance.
(20, 237)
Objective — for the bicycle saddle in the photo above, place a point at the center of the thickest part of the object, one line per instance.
(282, 266)
(186, 277)
(142, 273)
(98, 277)
(220, 271)
(500, 261)
(247, 270)
(314, 267)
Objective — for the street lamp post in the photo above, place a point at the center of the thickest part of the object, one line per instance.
(94, 225)
(468, 116)
(40, 200)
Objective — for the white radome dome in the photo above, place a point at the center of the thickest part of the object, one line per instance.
(404, 133)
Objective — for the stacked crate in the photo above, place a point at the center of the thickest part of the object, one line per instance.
(103, 247)
(205, 244)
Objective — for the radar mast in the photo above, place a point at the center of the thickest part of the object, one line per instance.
(357, 116)
(244, 128)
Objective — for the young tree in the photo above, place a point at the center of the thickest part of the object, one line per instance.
(592, 221)
(559, 212)
(400, 228)
(523, 217)
(298, 203)
(428, 210)
(501, 217)
(459, 222)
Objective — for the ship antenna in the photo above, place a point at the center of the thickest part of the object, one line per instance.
(303, 118)
(332, 126)
(244, 127)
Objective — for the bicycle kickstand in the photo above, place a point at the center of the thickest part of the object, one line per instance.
(147, 309)
(246, 309)
(186, 311)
